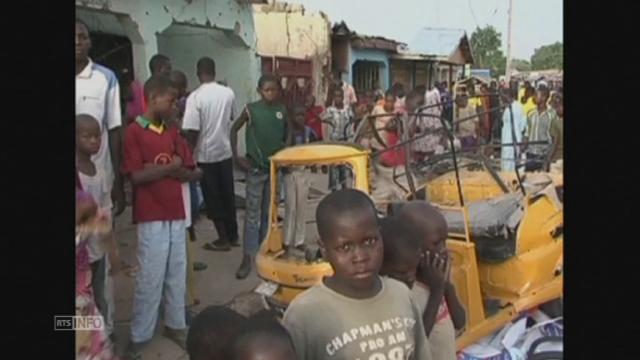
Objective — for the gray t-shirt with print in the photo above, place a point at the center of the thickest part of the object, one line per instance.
(328, 325)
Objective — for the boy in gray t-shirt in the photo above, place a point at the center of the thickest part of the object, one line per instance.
(355, 314)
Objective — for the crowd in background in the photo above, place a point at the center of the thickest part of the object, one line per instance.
(177, 145)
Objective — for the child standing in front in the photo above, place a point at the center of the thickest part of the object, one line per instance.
(354, 314)
(94, 181)
(442, 312)
(155, 163)
(90, 220)
(265, 135)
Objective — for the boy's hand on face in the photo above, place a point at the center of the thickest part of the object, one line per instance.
(436, 270)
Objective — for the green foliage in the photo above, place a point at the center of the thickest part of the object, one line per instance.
(547, 57)
(485, 45)
(520, 65)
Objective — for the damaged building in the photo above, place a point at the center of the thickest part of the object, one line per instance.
(296, 46)
(127, 33)
(434, 55)
(363, 60)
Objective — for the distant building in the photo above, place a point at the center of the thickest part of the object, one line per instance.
(295, 45)
(434, 55)
(364, 60)
(127, 33)
(484, 74)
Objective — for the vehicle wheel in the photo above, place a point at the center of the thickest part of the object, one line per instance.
(553, 308)
(544, 355)
(547, 355)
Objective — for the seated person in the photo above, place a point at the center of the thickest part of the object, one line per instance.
(435, 294)
(355, 313)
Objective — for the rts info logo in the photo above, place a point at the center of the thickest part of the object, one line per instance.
(78, 323)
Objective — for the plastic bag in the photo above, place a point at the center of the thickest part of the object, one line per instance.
(513, 341)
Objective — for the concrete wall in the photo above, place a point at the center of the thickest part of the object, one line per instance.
(340, 50)
(402, 72)
(371, 55)
(184, 30)
(143, 20)
(443, 72)
(287, 30)
(186, 44)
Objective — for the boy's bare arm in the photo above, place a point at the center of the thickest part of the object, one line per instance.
(458, 315)
(289, 140)
(192, 138)
(237, 125)
(187, 175)
(115, 149)
(431, 311)
(434, 270)
(155, 172)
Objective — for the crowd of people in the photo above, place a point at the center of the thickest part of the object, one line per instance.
(476, 113)
(177, 145)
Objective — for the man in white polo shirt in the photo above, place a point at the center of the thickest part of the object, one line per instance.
(98, 95)
(207, 121)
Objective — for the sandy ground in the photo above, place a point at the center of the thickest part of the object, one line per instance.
(215, 285)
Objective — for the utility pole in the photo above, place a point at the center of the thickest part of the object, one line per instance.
(508, 68)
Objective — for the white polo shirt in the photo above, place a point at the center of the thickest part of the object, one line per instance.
(209, 110)
(98, 95)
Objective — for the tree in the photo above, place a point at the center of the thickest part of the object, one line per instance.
(520, 65)
(485, 45)
(547, 57)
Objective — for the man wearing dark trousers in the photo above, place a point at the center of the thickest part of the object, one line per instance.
(207, 121)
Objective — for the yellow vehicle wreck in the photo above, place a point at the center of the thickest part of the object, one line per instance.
(505, 232)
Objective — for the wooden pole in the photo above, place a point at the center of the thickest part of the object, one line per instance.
(508, 69)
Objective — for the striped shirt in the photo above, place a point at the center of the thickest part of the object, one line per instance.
(539, 126)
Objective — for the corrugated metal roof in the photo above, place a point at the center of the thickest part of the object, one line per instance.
(365, 41)
(436, 41)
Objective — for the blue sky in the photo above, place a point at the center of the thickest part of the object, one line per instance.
(535, 23)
